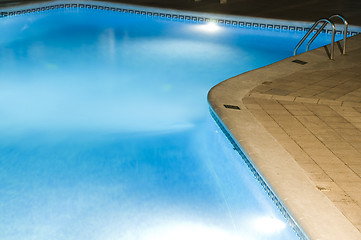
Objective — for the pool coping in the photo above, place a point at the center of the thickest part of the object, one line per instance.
(312, 210)
(259, 177)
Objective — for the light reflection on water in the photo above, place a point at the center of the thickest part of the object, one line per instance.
(105, 131)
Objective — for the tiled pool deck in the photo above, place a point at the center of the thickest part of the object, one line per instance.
(301, 126)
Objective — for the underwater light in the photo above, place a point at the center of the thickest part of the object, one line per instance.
(269, 225)
(190, 231)
(209, 27)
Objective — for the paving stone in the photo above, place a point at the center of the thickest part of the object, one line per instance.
(351, 210)
(320, 132)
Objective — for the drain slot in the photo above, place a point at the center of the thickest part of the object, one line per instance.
(299, 62)
(231, 107)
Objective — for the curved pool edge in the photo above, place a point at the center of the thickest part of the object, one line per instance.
(256, 173)
(316, 215)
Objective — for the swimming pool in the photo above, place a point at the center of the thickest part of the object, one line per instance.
(106, 132)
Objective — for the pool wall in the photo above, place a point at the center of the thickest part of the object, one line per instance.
(174, 15)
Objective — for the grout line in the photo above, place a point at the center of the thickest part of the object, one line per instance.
(319, 101)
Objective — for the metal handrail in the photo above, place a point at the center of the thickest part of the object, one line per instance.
(345, 30)
(323, 26)
(314, 36)
(325, 21)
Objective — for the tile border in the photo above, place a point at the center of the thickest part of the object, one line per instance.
(181, 16)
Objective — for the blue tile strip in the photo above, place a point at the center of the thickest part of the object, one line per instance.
(299, 232)
(173, 17)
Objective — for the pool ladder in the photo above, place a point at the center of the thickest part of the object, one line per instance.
(325, 21)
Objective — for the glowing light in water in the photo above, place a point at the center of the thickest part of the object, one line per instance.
(268, 225)
(209, 27)
(190, 231)
(107, 112)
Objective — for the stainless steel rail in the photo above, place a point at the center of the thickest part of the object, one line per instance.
(325, 21)
(323, 26)
(345, 30)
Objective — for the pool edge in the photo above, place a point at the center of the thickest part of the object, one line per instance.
(314, 212)
(262, 181)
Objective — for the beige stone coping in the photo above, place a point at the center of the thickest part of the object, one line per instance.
(316, 214)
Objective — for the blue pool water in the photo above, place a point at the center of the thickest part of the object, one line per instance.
(106, 134)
